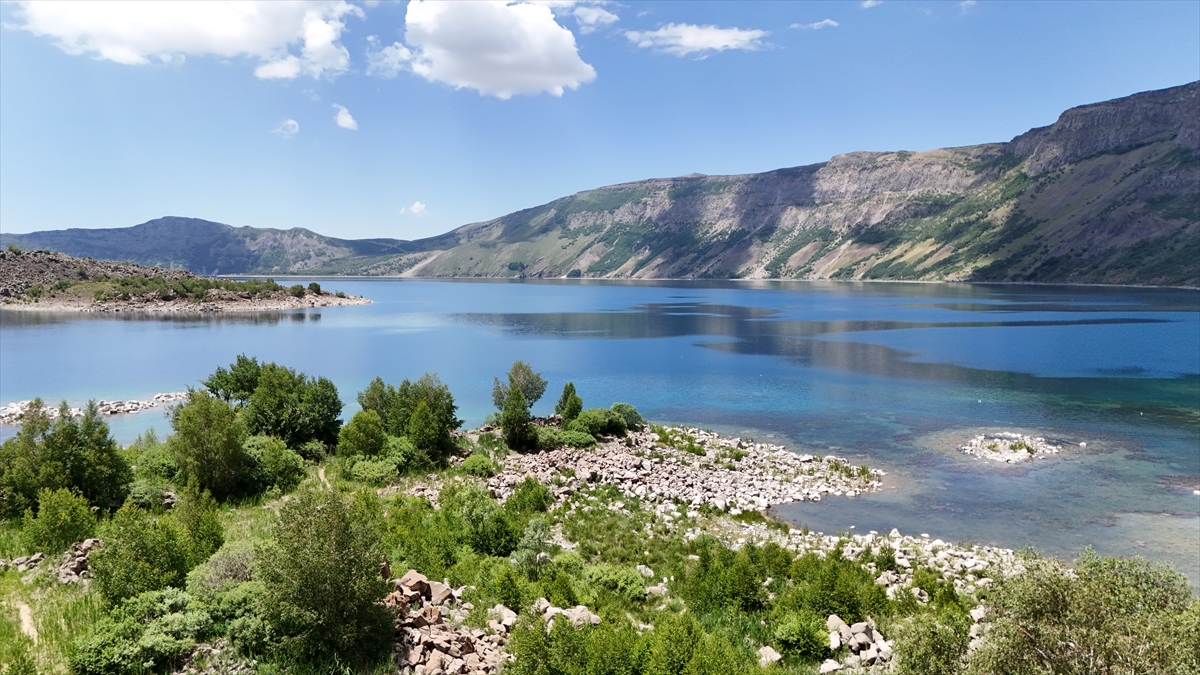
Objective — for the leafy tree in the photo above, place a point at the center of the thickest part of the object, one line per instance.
(314, 288)
(198, 514)
(236, 384)
(141, 553)
(530, 384)
(362, 435)
(628, 414)
(322, 580)
(803, 634)
(424, 430)
(207, 444)
(515, 420)
(294, 407)
(274, 464)
(437, 429)
(379, 397)
(569, 404)
(598, 422)
(932, 643)
(79, 454)
(63, 518)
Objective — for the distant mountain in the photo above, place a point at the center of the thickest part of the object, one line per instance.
(1110, 193)
(205, 247)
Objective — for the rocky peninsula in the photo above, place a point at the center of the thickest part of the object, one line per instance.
(49, 281)
(12, 413)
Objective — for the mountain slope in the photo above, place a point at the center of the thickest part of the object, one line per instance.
(1110, 193)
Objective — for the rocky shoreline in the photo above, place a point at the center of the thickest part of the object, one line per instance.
(12, 413)
(214, 301)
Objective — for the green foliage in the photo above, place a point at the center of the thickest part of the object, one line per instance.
(375, 472)
(296, 290)
(802, 634)
(141, 553)
(379, 398)
(363, 435)
(236, 384)
(531, 556)
(932, 643)
(424, 430)
(486, 527)
(78, 454)
(680, 441)
(833, 585)
(528, 497)
(294, 407)
(531, 385)
(145, 634)
(321, 578)
(577, 439)
(63, 518)
(548, 438)
(569, 404)
(314, 288)
(480, 466)
(629, 414)
(622, 580)
(1109, 616)
(398, 406)
(207, 444)
(194, 288)
(724, 579)
(518, 434)
(274, 465)
(598, 422)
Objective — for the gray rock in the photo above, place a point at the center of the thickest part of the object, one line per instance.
(829, 666)
(768, 656)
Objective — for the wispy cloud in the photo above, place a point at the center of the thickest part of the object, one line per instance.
(417, 209)
(287, 128)
(591, 18)
(344, 119)
(966, 5)
(868, 4)
(825, 23)
(683, 39)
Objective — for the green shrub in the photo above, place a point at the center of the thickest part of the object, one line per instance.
(548, 438)
(577, 439)
(63, 518)
(200, 517)
(293, 407)
(312, 451)
(375, 472)
(141, 553)
(297, 290)
(207, 445)
(518, 434)
(314, 288)
(629, 414)
(932, 644)
(145, 634)
(598, 422)
(322, 582)
(529, 496)
(362, 435)
(407, 457)
(274, 464)
(479, 465)
(521, 376)
(802, 634)
(626, 582)
(569, 404)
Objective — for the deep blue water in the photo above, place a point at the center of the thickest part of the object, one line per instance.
(894, 375)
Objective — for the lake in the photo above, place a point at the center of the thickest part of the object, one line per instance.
(893, 375)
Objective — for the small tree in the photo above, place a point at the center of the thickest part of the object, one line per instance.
(141, 553)
(200, 517)
(379, 397)
(236, 384)
(322, 580)
(362, 435)
(424, 431)
(63, 518)
(531, 385)
(515, 419)
(207, 444)
(569, 404)
(314, 288)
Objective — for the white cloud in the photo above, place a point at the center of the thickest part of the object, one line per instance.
(826, 23)
(417, 209)
(868, 4)
(344, 119)
(493, 47)
(682, 39)
(591, 18)
(287, 128)
(966, 5)
(167, 32)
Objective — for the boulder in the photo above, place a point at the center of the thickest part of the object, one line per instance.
(835, 641)
(439, 593)
(768, 656)
(829, 666)
(416, 581)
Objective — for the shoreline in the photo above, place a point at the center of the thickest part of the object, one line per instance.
(187, 307)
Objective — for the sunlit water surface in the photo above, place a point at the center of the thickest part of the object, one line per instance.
(894, 375)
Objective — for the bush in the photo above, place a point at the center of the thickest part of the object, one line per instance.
(518, 434)
(312, 451)
(147, 633)
(274, 464)
(932, 644)
(297, 290)
(548, 438)
(362, 435)
(802, 634)
(406, 456)
(314, 288)
(577, 439)
(521, 376)
(78, 454)
(569, 404)
(1108, 615)
(322, 582)
(293, 407)
(63, 518)
(480, 466)
(375, 472)
(629, 415)
(626, 582)
(207, 445)
(529, 496)
(141, 553)
(199, 516)
(598, 422)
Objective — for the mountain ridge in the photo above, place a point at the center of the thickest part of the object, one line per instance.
(1109, 193)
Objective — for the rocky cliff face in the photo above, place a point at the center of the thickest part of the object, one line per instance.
(1110, 193)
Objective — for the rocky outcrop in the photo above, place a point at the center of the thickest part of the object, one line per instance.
(1010, 448)
(15, 411)
(864, 643)
(74, 565)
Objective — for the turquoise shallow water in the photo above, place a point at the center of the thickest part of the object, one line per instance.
(895, 375)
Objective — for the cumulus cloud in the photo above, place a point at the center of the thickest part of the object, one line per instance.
(868, 4)
(344, 119)
(682, 39)
(494, 47)
(287, 128)
(417, 209)
(166, 32)
(591, 18)
(826, 23)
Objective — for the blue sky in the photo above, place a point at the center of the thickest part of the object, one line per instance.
(399, 120)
